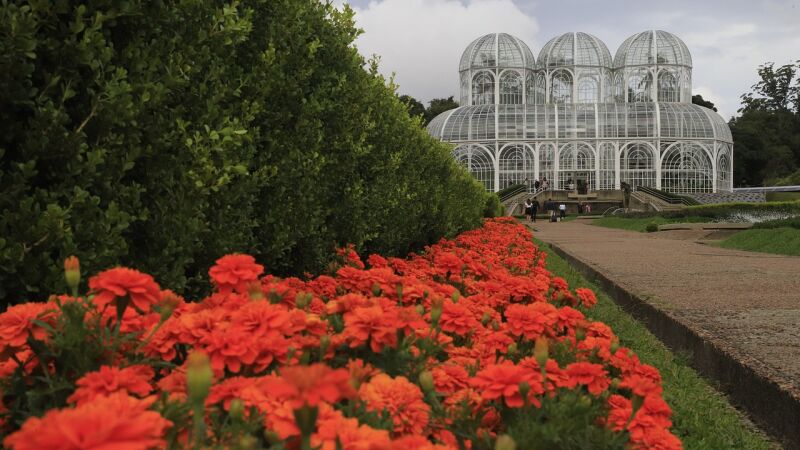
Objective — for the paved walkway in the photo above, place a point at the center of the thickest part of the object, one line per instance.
(746, 303)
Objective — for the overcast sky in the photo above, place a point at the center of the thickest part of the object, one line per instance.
(421, 41)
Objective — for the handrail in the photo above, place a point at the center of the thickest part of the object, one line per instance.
(510, 193)
(668, 197)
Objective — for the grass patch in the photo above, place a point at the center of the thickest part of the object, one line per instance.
(783, 196)
(640, 223)
(702, 417)
(780, 241)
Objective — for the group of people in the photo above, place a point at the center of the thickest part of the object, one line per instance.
(532, 209)
(544, 184)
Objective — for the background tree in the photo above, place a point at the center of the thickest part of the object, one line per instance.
(438, 106)
(766, 132)
(699, 100)
(415, 107)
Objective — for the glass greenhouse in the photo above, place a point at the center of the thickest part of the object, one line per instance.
(577, 116)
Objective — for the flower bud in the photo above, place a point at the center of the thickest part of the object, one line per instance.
(541, 351)
(580, 334)
(614, 345)
(236, 410)
(254, 291)
(302, 300)
(524, 390)
(426, 381)
(376, 289)
(456, 295)
(72, 273)
(436, 314)
(505, 442)
(324, 343)
(420, 309)
(512, 349)
(485, 319)
(198, 377)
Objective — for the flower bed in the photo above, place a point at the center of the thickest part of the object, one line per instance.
(473, 344)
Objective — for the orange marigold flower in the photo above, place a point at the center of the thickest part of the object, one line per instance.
(590, 375)
(531, 320)
(503, 380)
(588, 299)
(234, 272)
(338, 432)
(456, 318)
(120, 282)
(312, 385)
(17, 323)
(449, 378)
(641, 386)
(117, 421)
(371, 324)
(134, 380)
(658, 439)
(402, 399)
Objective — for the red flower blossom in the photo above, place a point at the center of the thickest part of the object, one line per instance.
(531, 320)
(588, 299)
(371, 324)
(590, 375)
(134, 380)
(311, 385)
(401, 399)
(120, 282)
(235, 272)
(503, 380)
(17, 323)
(117, 421)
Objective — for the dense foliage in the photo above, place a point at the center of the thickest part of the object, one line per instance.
(161, 134)
(473, 344)
(766, 134)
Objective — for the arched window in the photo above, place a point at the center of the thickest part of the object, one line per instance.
(478, 162)
(724, 171)
(465, 88)
(607, 156)
(541, 89)
(685, 168)
(639, 85)
(638, 165)
(561, 87)
(576, 165)
(511, 88)
(483, 89)
(530, 89)
(516, 166)
(588, 91)
(619, 92)
(547, 158)
(668, 90)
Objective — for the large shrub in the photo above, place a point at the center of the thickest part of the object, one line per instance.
(159, 135)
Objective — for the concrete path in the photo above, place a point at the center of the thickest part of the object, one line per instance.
(746, 304)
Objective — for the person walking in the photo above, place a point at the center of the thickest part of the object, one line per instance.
(562, 209)
(528, 208)
(536, 185)
(534, 210)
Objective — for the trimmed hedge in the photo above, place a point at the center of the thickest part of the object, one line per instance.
(161, 135)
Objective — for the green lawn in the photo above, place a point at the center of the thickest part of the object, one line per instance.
(640, 223)
(781, 241)
(703, 418)
(783, 196)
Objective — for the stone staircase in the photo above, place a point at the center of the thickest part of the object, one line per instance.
(516, 204)
(654, 202)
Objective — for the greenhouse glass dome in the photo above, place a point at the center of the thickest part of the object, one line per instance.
(577, 115)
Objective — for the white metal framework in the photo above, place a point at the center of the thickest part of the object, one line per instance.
(577, 116)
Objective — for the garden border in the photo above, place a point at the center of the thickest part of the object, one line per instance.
(774, 410)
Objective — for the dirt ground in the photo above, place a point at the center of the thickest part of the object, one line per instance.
(744, 302)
